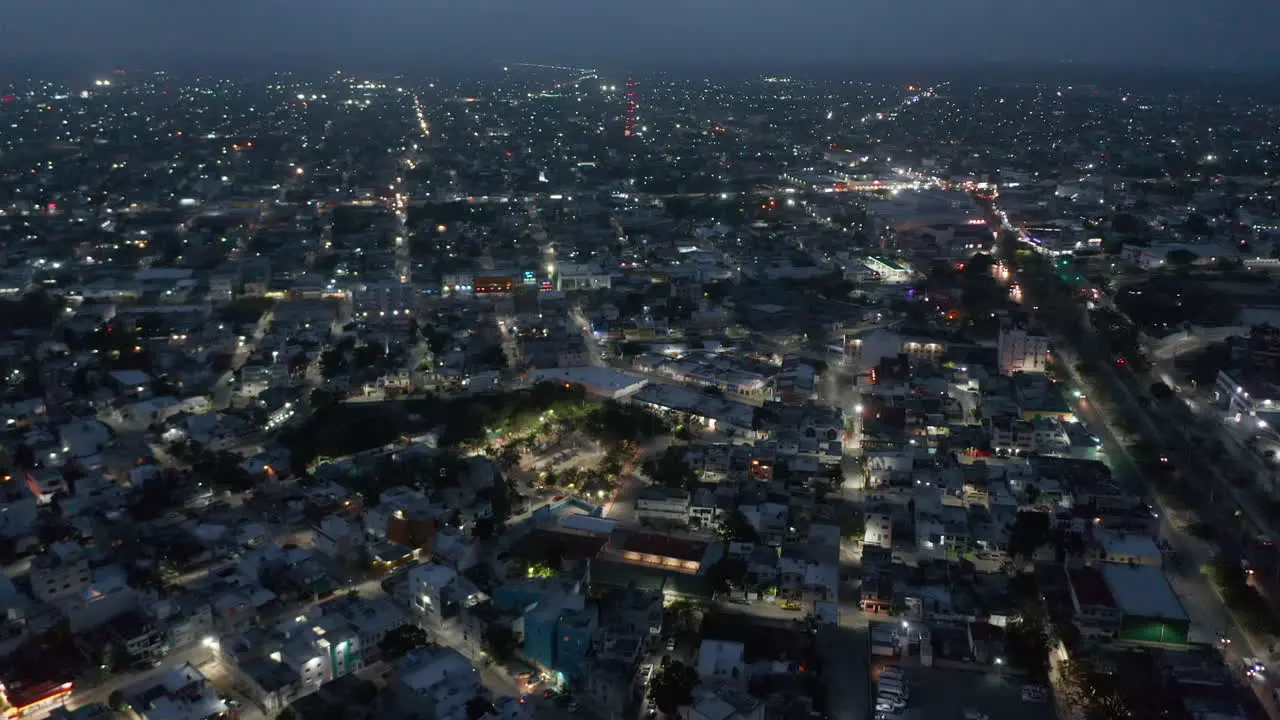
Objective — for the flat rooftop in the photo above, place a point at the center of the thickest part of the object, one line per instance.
(1090, 587)
(1143, 591)
(663, 546)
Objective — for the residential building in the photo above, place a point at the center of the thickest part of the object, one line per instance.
(435, 684)
(1022, 349)
(63, 569)
(659, 504)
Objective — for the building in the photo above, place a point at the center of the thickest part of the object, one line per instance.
(1245, 395)
(434, 684)
(722, 660)
(558, 633)
(62, 570)
(598, 381)
(878, 531)
(1022, 350)
(663, 505)
(36, 700)
(1128, 548)
(183, 693)
(1150, 610)
(724, 703)
(1095, 610)
(385, 302)
(581, 277)
(431, 588)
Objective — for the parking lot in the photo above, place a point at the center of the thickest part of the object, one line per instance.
(945, 694)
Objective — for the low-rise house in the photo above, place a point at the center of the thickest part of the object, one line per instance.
(722, 660)
(435, 684)
(183, 693)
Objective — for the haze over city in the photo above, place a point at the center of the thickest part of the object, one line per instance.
(644, 35)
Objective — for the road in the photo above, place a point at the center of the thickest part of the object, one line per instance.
(594, 351)
(1204, 607)
(621, 508)
(200, 656)
(1209, 615)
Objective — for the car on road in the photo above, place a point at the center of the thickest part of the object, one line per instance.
(1253, 667)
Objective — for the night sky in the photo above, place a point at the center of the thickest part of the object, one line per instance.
(1198, 34)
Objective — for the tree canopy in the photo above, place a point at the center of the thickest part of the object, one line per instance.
(672, 686)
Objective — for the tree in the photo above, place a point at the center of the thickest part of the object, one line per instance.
(508, 457)
(1180, 258)
(24, 457)
(401, 641)
(670, 469)
(500, 642)
(736, 528)
(1030, 531)
(1161, 391)
(332, 362)
(1027, 642)
(1198, 224)
(672, 686)
(727, 573)
(1127, 223)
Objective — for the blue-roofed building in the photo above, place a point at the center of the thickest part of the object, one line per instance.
(558, 633)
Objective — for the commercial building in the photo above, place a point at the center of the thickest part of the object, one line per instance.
(598, 381)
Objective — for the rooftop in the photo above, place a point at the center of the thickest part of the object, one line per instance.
(1090, 587)
(1143, 591)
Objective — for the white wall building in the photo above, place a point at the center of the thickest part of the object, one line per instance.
(660, 504)
(428, 586)
(1023, 350)
(878, 531)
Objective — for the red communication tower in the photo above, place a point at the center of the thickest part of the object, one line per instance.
(629, 125)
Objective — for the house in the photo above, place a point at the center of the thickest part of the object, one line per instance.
(182, 693)
(663, 505)
(434, 684)
(878, 530)
(1115, 546)
(723, 702)
(61, 570)
(722, 660)
(1095, 611)
(431, 590)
